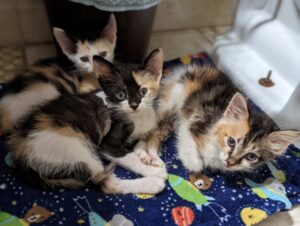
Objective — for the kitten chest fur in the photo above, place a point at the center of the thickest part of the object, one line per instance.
(144, 122)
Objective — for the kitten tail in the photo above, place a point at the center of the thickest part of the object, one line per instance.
(98, 178)
(66, 183)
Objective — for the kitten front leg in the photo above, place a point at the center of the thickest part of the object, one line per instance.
(147, 185)
(141, 150)
(150, 156)
(154, 140)
(188, 150)
(153, 147)
(132, 162)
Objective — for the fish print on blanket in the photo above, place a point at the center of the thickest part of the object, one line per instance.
(189, 192)
(95, 219)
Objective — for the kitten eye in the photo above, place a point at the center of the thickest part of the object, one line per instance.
(84, 59)
(251, 157)
(121, 96)
(143, 91)
(231, 142)
(103, 54)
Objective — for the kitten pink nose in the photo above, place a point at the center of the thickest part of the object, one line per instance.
(230, 163)
(134, 106)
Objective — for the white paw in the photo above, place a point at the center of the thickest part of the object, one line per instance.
(193, 164)
(153, 185)
(156, 161)
(160, 172)
(144, 156)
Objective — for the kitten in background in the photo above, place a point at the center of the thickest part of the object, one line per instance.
(214, 125)
(64, 149)
(80, 50)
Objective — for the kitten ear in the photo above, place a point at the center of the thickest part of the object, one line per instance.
(237, 108)
(278, 141)
(102, 67)
(110, 30)
(64, 41)
(154, 63)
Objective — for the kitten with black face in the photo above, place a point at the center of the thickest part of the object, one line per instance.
(135, 94)
(214, 124)
(80, 50)
(138, 91)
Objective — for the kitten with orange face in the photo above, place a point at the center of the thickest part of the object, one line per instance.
(214, 125)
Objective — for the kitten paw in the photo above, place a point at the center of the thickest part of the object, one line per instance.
(156, 161)
(144, 156)
(153, 185)
(160, 172)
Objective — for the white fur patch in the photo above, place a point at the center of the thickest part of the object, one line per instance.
(102, 95)
(146, 185)
(18, 105)
(54, 148)
(144, 121)
(132, 162)
(187, 149)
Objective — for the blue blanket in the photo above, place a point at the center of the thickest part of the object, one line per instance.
(209, 198)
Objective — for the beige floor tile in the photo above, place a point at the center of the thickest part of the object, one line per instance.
(34, 21)
(4, 4)
(185, 14)
(38, 52)
(222, 29)
(179, 43)
(11, 62)
(10, 33)
(211, 33)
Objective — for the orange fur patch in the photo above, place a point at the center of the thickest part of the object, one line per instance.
(146, 80)
(46, 123)
(89, 83)
(52, 74)
(234, 129)
(5, 114)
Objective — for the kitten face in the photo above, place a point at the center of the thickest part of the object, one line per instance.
(246, 141)
(81, 52)
(131, 90)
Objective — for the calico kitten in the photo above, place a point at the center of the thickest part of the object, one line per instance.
(81, 50)
(58, 144)
(214, 125)
(135, 94)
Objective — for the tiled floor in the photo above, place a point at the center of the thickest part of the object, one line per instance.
(181, 42)
(14, 59)
(11, 62)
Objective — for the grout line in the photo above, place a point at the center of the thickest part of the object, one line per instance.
(190, 28)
